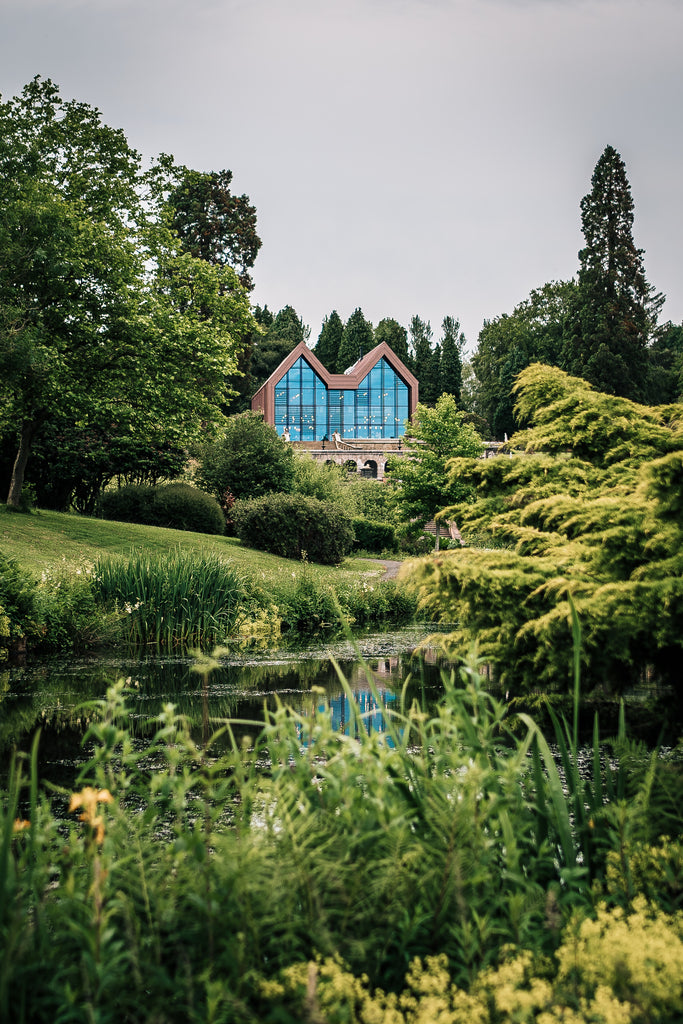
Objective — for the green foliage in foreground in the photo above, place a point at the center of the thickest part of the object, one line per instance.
(58, 613)
(433, 867)
(588, 507)
(180, 598)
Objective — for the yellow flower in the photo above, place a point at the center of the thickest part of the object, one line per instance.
(88, 799)
(20, 826)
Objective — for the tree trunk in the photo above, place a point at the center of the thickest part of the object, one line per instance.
(438, 532)
(19, 468)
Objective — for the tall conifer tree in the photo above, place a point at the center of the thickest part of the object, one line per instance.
(395, 336)
(426, 360)
(616, 308)
(450, 371)
(357, 340)
(329, 340)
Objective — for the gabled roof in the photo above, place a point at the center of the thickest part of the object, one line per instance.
(343, 381)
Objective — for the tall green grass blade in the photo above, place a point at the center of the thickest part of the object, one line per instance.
(561, 813)
(9, 817)
(597, 787)
(576, 648)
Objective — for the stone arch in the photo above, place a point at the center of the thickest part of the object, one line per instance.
(369, 470)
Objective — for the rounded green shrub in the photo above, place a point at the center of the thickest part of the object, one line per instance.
(129, 504)
(372, 536)
(294, 526)
(249, 460)
(178, 506)
(183, 507)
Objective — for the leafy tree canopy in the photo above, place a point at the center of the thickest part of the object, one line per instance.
(435, 435)
(589, 508)
(665, 372)
(533, 332)
(102, 318)
(248, 460)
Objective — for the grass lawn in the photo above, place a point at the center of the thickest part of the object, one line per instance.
(44, 540)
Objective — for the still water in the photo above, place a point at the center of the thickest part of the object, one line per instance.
(55, 696)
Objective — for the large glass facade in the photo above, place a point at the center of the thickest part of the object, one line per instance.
(378, 407)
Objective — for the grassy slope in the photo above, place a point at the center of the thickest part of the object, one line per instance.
(47, 539)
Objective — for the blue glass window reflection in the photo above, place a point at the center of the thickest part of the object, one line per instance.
(377, 408)
(382, 402)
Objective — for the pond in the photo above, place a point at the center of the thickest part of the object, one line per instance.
(53, 695)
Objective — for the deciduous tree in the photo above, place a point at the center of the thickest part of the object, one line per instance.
(101, 318)
(665, 370)
(533, 332)
(434, 436)
(248, 460)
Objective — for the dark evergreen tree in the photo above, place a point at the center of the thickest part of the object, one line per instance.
(281, 334)
(665, 371)
(396, 337)
(357, 340)
(426, 360)
(250, 364)
(288, 324)
(452, 345)
(329, 340)
(616, 309)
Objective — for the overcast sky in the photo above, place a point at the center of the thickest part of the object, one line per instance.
(404, 156)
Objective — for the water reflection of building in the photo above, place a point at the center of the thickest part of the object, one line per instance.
(386, 667)
(368, 713)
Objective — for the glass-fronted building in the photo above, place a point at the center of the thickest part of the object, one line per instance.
(372, 399)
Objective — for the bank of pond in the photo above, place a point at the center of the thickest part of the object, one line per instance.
(338, 833)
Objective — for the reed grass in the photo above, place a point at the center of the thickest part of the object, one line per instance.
(176, 600)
